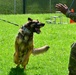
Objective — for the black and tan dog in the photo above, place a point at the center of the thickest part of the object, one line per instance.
(24, 42)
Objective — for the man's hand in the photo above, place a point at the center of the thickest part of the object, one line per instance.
(62, 7)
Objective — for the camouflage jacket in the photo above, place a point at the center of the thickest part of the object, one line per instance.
(71, 15)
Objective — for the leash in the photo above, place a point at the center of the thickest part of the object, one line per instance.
(71, 4)
(9, 22)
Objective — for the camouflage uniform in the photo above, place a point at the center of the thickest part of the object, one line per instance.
(72, 60)
(71, 15)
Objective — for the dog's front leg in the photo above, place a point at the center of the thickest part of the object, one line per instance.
(16, 58)
(40, 50)
(16, 54)
(26, 59)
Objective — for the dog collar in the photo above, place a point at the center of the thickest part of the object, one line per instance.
(25, 30)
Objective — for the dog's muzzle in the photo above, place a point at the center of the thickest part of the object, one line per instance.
(37, 28)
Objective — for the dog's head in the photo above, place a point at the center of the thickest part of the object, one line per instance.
(34, 25)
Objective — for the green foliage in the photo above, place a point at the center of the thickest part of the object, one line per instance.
(54, 62)
(37, 6)
(7, 6)
(32, 6)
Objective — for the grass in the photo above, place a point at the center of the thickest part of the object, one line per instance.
(54, 62)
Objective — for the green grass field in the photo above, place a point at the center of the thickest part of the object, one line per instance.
(54, 62)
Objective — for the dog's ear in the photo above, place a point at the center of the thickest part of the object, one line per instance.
(29, 19)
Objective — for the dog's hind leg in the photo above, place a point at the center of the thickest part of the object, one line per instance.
(40, 50)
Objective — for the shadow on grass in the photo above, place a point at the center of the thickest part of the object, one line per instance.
(17, 71)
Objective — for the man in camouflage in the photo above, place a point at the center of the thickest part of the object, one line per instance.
(72, 61)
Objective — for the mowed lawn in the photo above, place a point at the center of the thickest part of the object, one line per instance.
(54, 62)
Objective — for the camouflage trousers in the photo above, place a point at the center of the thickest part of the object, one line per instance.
(72, 60)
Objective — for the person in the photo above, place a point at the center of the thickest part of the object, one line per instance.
(65, 10)
(72, 61)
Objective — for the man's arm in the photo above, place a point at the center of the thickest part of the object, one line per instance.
(64, 9)
(71, 15)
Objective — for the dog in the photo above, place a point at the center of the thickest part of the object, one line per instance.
(24, 42)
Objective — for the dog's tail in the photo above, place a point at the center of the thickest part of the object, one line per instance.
(40, 50)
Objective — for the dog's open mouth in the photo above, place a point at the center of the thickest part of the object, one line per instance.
(37, 30)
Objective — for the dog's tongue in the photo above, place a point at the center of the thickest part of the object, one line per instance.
(37, 30)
